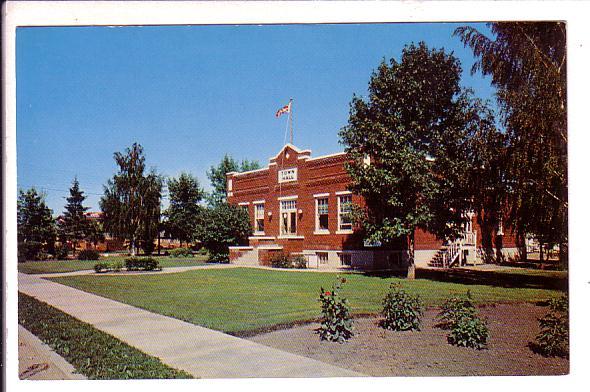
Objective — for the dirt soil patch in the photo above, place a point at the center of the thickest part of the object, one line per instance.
(378, 352)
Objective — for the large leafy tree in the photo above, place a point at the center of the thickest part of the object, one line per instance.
(222, 226)
(132, 200)
(217, 176)
(74, 225)
(35, 225)
(528, 65)
(184, 213)
(415, 127)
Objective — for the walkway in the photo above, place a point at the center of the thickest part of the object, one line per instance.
(200, 351)
(37, 361)
(165, 270)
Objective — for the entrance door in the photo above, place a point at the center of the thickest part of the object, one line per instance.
(288, 217)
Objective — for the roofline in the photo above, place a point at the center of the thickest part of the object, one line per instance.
(327, 156)
(247, 172)
(297, 150)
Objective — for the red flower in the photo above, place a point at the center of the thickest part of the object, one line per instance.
(327, 293)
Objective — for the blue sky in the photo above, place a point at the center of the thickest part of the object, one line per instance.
(190, 94)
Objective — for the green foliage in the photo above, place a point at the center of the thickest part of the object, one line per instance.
(223, 225)
(553, 337)
(401, 311)
(415, 127)
(469, 332)
(61, 252)
(74, 225)
(527, 62)
(181, 252)
(131, 201)
(454, 309)
(218, 176)
(336, 324)
(466, 328)
(93, 353)
(142, 264)
(35, 225)
(282, 260)
(184, 213)
(102, 267)
(88, 254)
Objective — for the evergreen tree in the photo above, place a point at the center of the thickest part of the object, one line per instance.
(415, 127)
(74, 225)
(528, 65)
(131, 201)
(35, 225)
(217, 176)
(184, 213)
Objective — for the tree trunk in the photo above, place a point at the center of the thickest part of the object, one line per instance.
(540, 251)
(522, 248)
(411, 261)
(132, 244)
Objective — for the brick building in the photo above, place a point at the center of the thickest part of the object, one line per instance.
(299, 204)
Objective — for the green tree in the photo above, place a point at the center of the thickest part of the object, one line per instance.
(74, 225)
(528, 65)
(131, 201)
(415, 126)
(35, 225)
(217, 176)
(184, 213)
(223, 225)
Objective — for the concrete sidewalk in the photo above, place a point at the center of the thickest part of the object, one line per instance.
(199, 351)
(165, 270)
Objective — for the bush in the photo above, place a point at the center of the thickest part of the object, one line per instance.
(101, 267)
(454, 309)
(142, 263)
(553, 337)
(336, 325)
(61, 252)
(202, 252)
(469, 331)
(401, 311)
(88, 254)
(30, 250)
(281, 260)
(117, 266)
(181, 252)
(466, 328)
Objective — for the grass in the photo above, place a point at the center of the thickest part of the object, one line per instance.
(93, 353)
(239, 300)
(56, 266)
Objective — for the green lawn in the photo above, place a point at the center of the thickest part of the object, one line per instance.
(245, 299)
(55, 266)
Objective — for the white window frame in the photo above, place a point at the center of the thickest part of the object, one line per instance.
(344, 255)
(319, 230)
(257, 205)
(340, 230)
(288, 175)
(321, 260)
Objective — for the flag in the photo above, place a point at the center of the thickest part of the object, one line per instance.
(284, 109)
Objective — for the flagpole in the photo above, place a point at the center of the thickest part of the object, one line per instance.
(291, 118)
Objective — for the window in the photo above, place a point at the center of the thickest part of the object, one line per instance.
(230, 184)
(345, 259)
(259, 218)
(288, 175)
(244, 208)
(344, 210)
(321, 223)
(288, 217)
(322, 257)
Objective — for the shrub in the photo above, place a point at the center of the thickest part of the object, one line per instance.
(142, 263)
(281, 260)
(469, 331)
(88, 254)
(202, 252)
(101, 267)
(401, 311)
(336, 325)
(181, 252)
(30, 250)
(553, 337)
(61, 252)
(454, 309)
(117, 266)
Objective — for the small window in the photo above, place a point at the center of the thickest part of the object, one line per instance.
(244, 208)
(259, 217)
(288, 175)
(345, 259)
(344, 211)
(322, 257)
(230, 184)
(322, 214)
